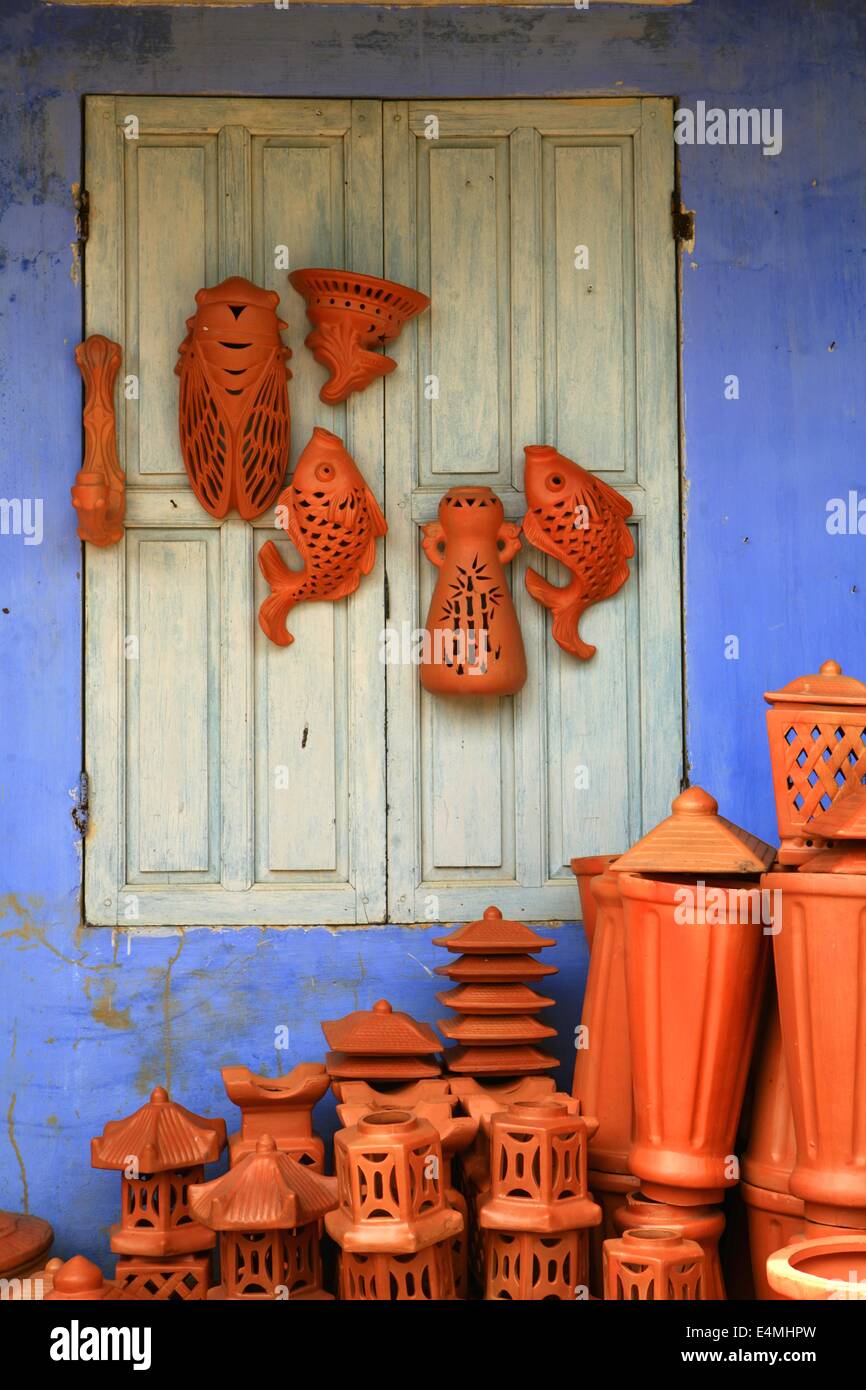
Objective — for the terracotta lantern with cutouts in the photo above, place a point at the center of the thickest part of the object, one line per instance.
(160, 1150)
(267, 1210)
(393, 1225)
(281, 1106)
(653, 1265)
(702, 1224)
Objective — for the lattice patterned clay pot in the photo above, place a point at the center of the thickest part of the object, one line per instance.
(585, 870)
(472, 639)
(281, 1106)
(655, 1264)
(81, 1281)
(268, 1211)
(812, 1270)
(702, 1224)
(99, 491)
(817, 731)
(352, 316)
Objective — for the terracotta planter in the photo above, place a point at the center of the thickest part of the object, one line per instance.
(267, 1210)
(24, 1242)
(812, 1270)
(234, 405)
(334, 521)
(815, 728)
(694, 997)
(81, 1281)
(772, 1149)
(281, 1106)
(653, 1264)
(585, 870)
(702, 1224)
(472, 639)
(99, 491)
(775, 1220)
(819, 953)
(610, 1191)
(353, 315)
(602, 1070)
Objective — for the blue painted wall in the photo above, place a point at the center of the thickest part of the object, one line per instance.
(774, 294)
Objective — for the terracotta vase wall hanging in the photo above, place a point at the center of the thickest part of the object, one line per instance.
(99, 491)
(352, 316)
(334, 520)
(281, 1106)
(653, 1264)
(581, 522)
(234, 405)
(268, 1211)
(816, 726)
(812, 1270)
(585, 870)
(472, 641)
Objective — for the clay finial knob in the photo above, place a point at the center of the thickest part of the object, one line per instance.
(694, 802)
(159, 1096)
(831, 668)
(492, 914)
(382, 1006)
(266, 1145)
(79, 1276)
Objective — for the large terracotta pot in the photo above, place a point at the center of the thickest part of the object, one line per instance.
(811, 1270)
(702, 1224)
(772, 1149)
(695, 978)
(585, 870)
(819, 953)
(775, 1219)
(602, 1069)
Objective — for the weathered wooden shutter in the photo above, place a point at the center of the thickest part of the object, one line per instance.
(486, 204)
(231, 781)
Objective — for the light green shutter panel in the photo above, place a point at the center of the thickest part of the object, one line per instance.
(486, 204)
(231, 781)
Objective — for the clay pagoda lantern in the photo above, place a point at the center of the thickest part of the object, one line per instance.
(653, 1264)
(281, 1106)
(815, 727)
(393, 1225)
(493, 1041)
(267, 1209)
(702, 1224)
(160, 1151)
(381, 1044)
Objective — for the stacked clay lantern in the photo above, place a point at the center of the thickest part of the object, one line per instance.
(281, 1106)
(393, 1224)
(160, 1151)
(380, 1045)
(538, 1212)
(654, 1264)
(267, 1209)
(497, 1031)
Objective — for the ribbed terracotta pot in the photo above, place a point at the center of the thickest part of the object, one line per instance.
(585, 870)
(694, 986)
(819, 954)
(775, 1220)
(602, 1069)
(703, 1224)
(812, 1270)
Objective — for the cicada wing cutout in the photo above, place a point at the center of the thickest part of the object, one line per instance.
(204, 435)
(263, 441)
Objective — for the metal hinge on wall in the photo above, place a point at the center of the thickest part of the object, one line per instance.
(81, 810)
(81, 203)
(683, 224)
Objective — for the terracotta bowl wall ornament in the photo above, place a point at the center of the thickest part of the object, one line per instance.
(473, 644)
(654, 1264)
(234, 405)
(352, 316)
(99, 491)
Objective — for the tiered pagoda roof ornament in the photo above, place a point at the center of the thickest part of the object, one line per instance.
(381, 1044)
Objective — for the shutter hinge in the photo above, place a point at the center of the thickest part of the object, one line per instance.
(81, 810)
(81, 203)
(683, 224)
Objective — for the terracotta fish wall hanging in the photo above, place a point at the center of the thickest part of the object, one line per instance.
(580, 521)
(334, 520)
(234, 405)
(99, 491)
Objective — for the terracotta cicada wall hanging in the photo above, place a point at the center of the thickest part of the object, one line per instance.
(473, 644)
(580, 521)
(352, 315)
(234, 404)
(333, 519)
(99, 491)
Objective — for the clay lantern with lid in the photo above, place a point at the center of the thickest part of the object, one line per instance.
(696, 957)
(381, 1044)
(353, 316)
(160, 1150)
(393, 1224)
(816, 726)
(281, 1106)
(653, 1264)
(267, 1209)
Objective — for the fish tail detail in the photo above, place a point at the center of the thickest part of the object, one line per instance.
(277, 606)
(566, 610)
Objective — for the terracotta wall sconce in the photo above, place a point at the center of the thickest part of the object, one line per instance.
(99, 491)
(353, 315)
(473, 644)
(234, 405)
(581, 522)
(333, 520)
(653, 1264)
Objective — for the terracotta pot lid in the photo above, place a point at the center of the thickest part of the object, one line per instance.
(695, 839)
(162, 1135)
(494, 999)
(488, 1032)
(381, 1032)
(266, 1191)
(354, 1068)
(492, 935)
(827, 687)
(23, 1240)
(501, 1061)
(495, 969)
(842, 859)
